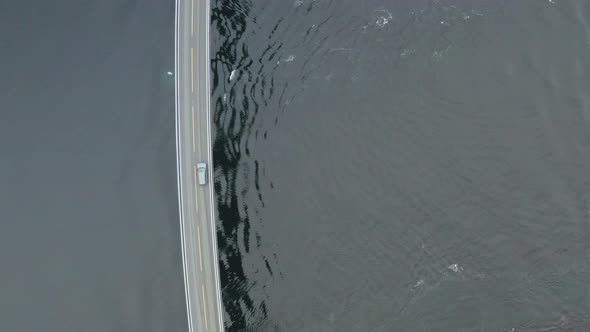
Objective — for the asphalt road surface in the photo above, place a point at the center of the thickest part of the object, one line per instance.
(193, 145)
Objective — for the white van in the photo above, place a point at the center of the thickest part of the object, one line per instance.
(202, 172)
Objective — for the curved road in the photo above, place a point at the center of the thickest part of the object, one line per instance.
(193, 145)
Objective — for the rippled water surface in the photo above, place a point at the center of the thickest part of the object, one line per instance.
(403, 165)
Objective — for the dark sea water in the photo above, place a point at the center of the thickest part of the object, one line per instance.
(89, 237)
(403, 165)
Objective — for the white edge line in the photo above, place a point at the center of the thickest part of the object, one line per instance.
(210, 157)
(178, 168)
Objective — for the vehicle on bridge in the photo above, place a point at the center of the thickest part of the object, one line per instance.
(202, 172)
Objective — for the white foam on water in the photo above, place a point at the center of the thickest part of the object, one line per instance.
(383, 17)
(418, 284)
(455, 268)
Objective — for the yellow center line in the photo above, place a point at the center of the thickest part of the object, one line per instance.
(192, 14)
(200, 251)
(192, 69)
(195, 178)
(204, 305)
(193, 116)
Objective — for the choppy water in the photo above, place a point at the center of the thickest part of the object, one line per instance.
(403, 165)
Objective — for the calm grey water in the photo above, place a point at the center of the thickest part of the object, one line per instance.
(89, 236)
(403, 165)
(380, 165)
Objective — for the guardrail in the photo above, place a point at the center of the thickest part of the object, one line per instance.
(178, 169)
